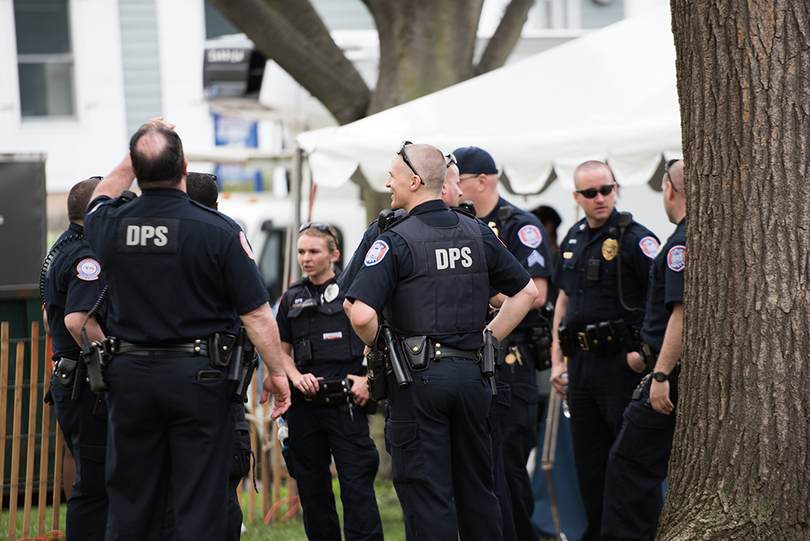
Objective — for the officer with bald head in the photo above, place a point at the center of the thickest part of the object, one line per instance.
(428, 276)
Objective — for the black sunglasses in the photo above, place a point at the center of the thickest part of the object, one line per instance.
(320, 226)
(590, 193)
(407, 160)
(451, 160)
(667, 165)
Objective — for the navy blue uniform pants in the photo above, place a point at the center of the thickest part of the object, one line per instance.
(599, 389)
(318, 433)
(239, 468)
(439, 436)
(169, 431)
(520, 438)
(636, 469)
(499, 417)
(86, 437)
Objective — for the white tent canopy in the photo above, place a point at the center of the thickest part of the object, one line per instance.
(609, 95)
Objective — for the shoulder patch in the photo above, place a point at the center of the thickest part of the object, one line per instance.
(246, 245)
(649, 246)
(88, 270)
(676, 258)
(530, 236)
(376, 253)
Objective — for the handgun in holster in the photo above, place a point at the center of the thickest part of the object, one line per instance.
(648, 355)
(96, 357)
(244, 361)
(377, 383)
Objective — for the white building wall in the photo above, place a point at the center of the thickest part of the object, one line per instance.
(91, 142)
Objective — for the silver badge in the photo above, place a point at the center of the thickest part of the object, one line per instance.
(331, 292)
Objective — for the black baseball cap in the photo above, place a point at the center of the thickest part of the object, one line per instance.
(474, 160)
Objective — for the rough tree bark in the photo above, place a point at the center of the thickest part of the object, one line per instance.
(739, 467)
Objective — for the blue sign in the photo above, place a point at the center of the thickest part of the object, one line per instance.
(235, 132)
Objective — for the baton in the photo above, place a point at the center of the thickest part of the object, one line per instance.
(547, 461)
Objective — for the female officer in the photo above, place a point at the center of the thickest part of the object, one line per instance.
(320, 346)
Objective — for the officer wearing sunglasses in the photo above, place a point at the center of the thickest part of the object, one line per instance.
(602, 276)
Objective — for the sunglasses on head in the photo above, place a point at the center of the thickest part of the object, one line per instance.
(590, 193)
(320, 226)
(667, 165)
(451, 160)
(407, 160)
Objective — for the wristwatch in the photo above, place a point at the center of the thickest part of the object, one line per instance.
(660, 376)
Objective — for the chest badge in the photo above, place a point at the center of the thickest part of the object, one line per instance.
(610, 249)
(331, 292)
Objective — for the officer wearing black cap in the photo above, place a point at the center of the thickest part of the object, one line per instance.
(602, 277)
(327, 418)
(640, 455)
(72, 284)
(181, 276)
(430, 274)
(527, 240)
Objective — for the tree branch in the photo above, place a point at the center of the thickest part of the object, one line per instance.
(297, 40)
(505, 37)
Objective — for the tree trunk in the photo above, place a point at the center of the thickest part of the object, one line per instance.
(739, 464)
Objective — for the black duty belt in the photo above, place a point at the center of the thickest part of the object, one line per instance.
(197, 347)
(440, 351)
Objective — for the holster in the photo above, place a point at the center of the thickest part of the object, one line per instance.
(65, 372)
(609, 337)
(242, 363)
(540, 344)
(417, 352)
(396, 360)
(376, 383)
(331, 392)
(568, 342)
(648, 355)
(220, 349)
(95, 359)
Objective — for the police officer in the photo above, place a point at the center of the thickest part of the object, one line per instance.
(602, 277)
(178, 274)
(202, 188)
(640, 455)
(527, 240)
(427, 274)
(72, 286)
(317, 332)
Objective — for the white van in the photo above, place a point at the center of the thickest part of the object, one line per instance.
(265, 219)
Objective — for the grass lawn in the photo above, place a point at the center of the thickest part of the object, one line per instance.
(291, 530)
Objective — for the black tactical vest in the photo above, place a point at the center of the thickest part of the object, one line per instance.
(324, 324)
(447, 292)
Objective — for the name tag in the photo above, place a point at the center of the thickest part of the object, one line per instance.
(148, 235)
(332, 335)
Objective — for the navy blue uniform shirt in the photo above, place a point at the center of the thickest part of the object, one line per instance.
(666, 287)
(527, 240)
(591, 301)
(176, 270)
(356, 262)
(376, 282)
(73, 283)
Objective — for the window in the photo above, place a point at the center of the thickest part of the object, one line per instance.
(44, 58)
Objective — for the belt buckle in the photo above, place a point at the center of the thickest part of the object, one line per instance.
(582, 339)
